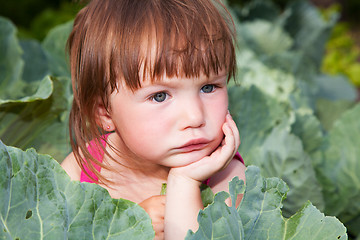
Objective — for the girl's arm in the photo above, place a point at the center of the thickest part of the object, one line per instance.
(183, 202)
(183, 198)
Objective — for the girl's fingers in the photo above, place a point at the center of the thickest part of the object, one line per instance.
(235, 130)
(231, 141)
(229, 148)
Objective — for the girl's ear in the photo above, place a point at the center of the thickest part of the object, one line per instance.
(104, 119)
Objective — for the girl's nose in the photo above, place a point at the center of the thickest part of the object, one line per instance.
(192, 113)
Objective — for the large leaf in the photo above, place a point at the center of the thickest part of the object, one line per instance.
(273, 82)
(255, 114)
(335, 88)
(259, 9)
(34, 106)
(55, 47)
(36, 62)
(340, 167)
(260, 212)
(218, 221)
(38, 120)
(282, 155)
(38, 201)
(259, 215)
(309, 30)
(308, 128)
(252, 34)
(11, 64)
(329, 111)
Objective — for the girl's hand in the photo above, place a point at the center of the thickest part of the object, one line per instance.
(218, 160)
(155, 207)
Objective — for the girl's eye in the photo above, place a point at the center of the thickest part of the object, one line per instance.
(159, 97)
(208, 88)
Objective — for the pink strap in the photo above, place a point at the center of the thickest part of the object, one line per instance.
(238, 156)
(98, 154)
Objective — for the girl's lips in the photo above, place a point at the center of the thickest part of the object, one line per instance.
(193, 145)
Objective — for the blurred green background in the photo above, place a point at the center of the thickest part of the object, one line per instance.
(34, 18)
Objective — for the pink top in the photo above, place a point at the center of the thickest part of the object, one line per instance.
(98, 154)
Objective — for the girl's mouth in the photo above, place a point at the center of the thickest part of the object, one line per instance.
(194, 145)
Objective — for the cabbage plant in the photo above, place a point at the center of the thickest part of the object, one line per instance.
(39, 201)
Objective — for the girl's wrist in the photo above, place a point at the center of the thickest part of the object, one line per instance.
(179, 179)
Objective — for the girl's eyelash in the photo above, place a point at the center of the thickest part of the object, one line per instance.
(214, 86)
(154, 95)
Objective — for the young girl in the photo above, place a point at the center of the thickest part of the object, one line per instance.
(150, 105)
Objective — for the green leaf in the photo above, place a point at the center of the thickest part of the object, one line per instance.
(271, 81)
(308, 128)
(261, 204)
(55, 45)
(255, 114)
(39, 120)
(309, 30)
(260, 212)
(218, 221)
(252, 34)
(282, 155)
(163, 189)
(43, 92)
(260, 9)
(36, 62)
(37, 194)
(340, 167)
(207, 195)
(33, 110)
(259, 215)
(236, 187)
(11, 64)
(310, 223)
(329, 111)
(335, 88)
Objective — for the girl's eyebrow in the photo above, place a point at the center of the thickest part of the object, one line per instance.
(172, 84)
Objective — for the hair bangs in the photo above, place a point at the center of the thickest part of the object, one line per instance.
(176, 38)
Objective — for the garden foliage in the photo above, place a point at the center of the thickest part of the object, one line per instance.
(296, 124)
(39, 196)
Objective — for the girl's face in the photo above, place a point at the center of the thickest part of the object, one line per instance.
(172, 122)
